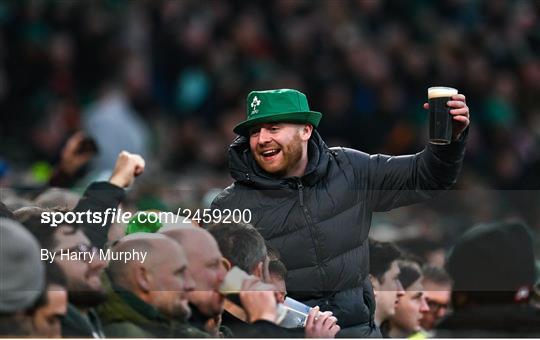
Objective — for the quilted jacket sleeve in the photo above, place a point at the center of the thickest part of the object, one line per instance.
(98, 197)
(395, 181)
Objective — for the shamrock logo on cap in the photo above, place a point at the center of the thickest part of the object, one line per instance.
(280, 105)
(254, 104)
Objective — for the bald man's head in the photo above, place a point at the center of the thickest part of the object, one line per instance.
(162, 280)
(120, 270)
(195, 241)
(205, 266)
(182, 222)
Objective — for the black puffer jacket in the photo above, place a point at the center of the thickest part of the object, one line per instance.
(319, 223)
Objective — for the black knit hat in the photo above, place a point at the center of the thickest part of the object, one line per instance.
(493, 257)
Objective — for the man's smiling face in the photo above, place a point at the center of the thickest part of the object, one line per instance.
(280, 148)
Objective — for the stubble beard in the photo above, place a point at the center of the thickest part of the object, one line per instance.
(291, 155)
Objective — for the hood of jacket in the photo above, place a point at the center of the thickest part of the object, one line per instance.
(491, 321)
(245, 170)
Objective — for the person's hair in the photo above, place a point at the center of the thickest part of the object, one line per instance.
(241, 244)
(57, 198)
(436, 275)
(273, 253)
(55, 275)
(277, 268)
(381, 256)
(421, 247)
(409, 272)
(30, 218)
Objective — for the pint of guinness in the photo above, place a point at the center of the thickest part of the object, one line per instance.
(440, 119)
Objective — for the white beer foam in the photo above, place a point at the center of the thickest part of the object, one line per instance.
(441, 91)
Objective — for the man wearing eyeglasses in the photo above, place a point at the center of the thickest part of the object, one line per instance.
(83, 274)
(437, 289)
(85, 289)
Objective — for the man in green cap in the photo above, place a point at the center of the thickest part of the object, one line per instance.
(314, 204)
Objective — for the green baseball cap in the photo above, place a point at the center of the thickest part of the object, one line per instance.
(283, 105)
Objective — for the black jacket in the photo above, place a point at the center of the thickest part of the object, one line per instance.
(81, 325)
(320, 222)
(98, 197)
(491, 321)
(258, 329)
(199, 321)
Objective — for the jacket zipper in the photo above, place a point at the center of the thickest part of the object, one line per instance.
(301, 193)
(310, 224)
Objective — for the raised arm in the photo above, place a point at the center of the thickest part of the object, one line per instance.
(401, 180)
(100, 196)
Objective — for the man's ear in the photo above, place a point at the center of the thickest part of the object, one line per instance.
(306, 132)
(142, 278)
(374, 284)
(258, 271)
(226, 263)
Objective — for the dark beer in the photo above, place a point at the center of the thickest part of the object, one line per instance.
(440, 119)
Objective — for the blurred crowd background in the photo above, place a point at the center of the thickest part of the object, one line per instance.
(168, 80)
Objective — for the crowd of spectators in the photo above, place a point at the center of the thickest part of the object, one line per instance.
(182, 285)
(59, 282)
(168, 80)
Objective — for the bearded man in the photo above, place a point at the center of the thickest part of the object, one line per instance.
(314, 204)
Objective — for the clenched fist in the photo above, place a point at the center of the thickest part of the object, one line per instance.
(127, 167)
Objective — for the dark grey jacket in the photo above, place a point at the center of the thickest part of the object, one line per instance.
(491, 321)
(320, 222)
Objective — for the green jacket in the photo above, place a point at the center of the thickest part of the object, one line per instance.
(125, 315)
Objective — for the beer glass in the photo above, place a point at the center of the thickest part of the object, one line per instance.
(440, 119)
